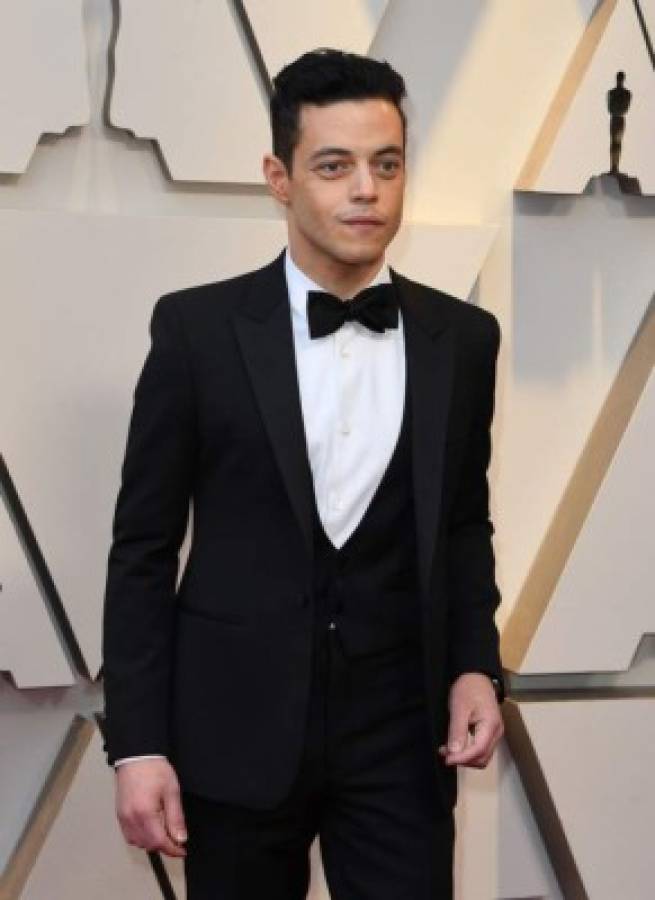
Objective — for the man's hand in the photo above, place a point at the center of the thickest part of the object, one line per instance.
(148, 806)
(476, 725)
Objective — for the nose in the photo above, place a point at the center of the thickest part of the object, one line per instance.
(363, 184)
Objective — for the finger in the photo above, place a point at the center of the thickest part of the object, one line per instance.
(476, 749)
(479, 747)
(174, 816)
(458, 729)
(443, 748)
(156, 838)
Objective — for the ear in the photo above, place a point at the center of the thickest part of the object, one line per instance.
(275, 173)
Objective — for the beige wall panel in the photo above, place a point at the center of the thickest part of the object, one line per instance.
(581, 278)
(648, 11)
(448, 257)
(30, 648)
(476, 818)
(603, 602)
(170, 85)
(524, 870)
(597, 760)
(93, 862)
(480, 75)
(574, 144)
(78, 337)
(43, 82)
(568, 292)
(344, 24)
(33, 732)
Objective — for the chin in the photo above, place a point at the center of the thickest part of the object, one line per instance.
(359, 255)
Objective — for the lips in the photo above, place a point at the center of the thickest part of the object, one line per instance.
(374, 220)
(363, 222)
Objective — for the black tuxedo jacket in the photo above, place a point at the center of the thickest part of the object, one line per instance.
(214, 673)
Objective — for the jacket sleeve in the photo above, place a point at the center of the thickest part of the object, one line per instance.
(473, 644)
(149, 524)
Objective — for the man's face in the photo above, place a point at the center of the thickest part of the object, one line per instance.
(344, 196)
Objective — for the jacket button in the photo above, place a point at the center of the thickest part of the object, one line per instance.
(303, 599)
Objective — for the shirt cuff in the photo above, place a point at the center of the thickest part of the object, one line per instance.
(127, 759)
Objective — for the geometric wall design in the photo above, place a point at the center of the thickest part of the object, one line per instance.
(612, 558)
(349, 24)
(574, 143)
(585, 607)
(524, 867)
(66, 453)
(35, 735)
(588, 769)
(170, 85)
(583, 278)
(24, 619)
(169, 82)
(448, 257)
(577, 356)
(600, 542)
(43, 83)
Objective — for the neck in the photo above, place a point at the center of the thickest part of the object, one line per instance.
(343, 280)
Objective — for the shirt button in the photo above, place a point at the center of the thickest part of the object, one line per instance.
(345, 428)
(345, 351)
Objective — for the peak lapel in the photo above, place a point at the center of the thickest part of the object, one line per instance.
(263, 327)
(429, 347)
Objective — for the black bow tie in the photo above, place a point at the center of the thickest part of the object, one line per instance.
(376, 307)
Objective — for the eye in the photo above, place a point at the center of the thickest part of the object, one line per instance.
(388, 167)
(332, 167)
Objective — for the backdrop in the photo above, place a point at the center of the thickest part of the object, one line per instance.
(130, 160)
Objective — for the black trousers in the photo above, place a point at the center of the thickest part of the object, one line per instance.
(365, 785)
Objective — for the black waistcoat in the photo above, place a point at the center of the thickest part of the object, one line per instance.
(368, 588)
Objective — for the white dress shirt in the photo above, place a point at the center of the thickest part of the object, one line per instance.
(352, 392)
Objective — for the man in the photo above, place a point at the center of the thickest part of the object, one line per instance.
(330, 654)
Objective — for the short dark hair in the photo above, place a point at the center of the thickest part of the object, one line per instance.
(325, 76)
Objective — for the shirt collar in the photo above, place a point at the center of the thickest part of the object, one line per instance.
(298, 284)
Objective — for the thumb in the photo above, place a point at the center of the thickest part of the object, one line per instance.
(458, 729)
(174, 815)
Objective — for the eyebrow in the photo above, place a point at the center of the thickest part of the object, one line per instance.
(341, 151)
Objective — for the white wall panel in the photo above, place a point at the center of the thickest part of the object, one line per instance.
(479, 76)
(78, 338)
(524, 870)
(189, 84)
(582, 279)
(569, 282)
(43, 82)
(597, 759)
(30, 648)
(603, 603)
(33, 730)
(344, 24)
(448, 257)
(576, 145)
